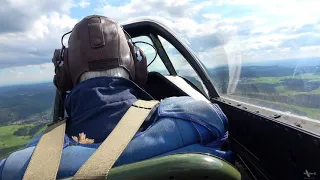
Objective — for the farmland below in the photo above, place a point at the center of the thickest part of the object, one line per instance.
(24, 112)
(293, 89)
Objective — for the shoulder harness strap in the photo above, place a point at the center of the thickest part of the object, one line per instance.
(45, 160)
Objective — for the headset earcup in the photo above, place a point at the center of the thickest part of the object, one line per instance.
(140, 64)
(62, 78)
(134, 57)
(140, 67)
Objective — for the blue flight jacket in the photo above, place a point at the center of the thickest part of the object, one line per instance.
(95, 106)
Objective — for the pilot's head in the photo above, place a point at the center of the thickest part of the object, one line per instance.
(98, 47)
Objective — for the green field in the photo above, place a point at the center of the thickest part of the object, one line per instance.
(275, 80)
(282, 90)
(311, 112)
(278, 93)
(7, 139)
(10, 142)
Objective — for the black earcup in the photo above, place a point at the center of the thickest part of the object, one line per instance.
(62, 78)
(140, 62)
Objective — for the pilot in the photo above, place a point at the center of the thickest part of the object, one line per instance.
(104, 73)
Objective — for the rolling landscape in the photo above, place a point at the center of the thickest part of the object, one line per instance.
(288, 86)
(24, 111)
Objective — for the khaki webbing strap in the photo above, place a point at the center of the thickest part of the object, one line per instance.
(45, 159)
(102, 160)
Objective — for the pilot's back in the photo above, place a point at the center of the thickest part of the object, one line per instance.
(179, 124)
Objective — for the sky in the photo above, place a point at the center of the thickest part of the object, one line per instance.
(221, 31)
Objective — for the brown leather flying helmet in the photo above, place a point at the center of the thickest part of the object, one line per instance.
(97, 43)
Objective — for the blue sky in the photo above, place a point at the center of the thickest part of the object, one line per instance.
(222, 31)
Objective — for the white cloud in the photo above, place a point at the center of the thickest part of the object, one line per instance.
(84, 3)
(213, 57)
(211, 16)
(167, 9)
(294, 11)
(36, 43)
(268, 30)
(256, 37)
(27, 74)
(18, 16)
(310, 49)
(54, 24)
(30, 37)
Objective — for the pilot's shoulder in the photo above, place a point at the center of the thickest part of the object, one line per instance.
(188, 108)
(185, 102)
